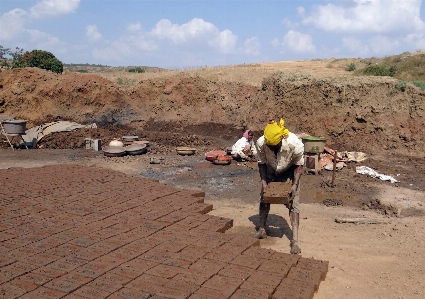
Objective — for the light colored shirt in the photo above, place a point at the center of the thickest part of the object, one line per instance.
(238, 147)
(291, 153)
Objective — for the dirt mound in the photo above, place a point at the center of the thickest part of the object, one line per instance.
(370, 114)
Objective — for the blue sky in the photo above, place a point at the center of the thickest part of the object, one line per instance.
(197, 33)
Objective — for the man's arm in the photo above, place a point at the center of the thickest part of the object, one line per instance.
(298, 171)
(262, 168)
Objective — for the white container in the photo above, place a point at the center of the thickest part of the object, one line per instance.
(116, 142)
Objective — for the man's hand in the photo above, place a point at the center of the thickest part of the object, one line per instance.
(293, 190)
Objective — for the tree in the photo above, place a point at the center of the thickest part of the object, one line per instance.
(8, 58)
(41, 59)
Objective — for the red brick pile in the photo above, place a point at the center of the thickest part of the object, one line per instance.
(68, 231)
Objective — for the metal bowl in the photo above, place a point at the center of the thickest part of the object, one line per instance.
(114, 151)
(136, 149)
(184, 150)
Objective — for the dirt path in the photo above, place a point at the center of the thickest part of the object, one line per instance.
(383, 260)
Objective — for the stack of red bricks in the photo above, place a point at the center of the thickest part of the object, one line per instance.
(69, 231)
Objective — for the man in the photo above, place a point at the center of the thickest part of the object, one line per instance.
(244, 148)
(280, 157)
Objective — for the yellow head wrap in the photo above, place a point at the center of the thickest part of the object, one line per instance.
(273, 133)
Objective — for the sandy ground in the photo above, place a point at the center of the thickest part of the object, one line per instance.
(382, 260)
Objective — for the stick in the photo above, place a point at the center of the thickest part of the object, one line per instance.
(333, 174)
(358, 220)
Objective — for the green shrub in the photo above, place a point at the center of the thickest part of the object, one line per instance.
(419, 84)
(82, 71)
(380, 70)
(41, 59)
(351, 67)
(136, 70)
(401, 85)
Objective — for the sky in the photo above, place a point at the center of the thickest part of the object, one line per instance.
(180, 34)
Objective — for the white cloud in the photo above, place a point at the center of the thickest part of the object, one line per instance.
(416, 40)
(224, 42)
(295, 42)
(289, 24)
(195, 28)
(47, 42)
(377, 16)
(92, 33)
(355, 46)
(14, 21)
(382, 45)
(134, 27)
(252, 46)
(54, 8)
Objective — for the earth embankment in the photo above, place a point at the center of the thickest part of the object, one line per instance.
(370, 114)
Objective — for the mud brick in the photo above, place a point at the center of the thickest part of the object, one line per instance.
(146, 278)
(259, 287)
(201, 296)
(65, 250)
(297, 285)
(311, 264)
(192, 253)
(109, 282)
(16, 269)
(210, 243)
(164, 291)
(127, 253)
(224, 283)
(73, 296)
(164, 271)
(154, 224)
(196, 277)
(233, 248)
(63, 266)
(171, 246)
(93, 269)
(7, 290)
(208, 266)
(221, 255)
(245, 241)
(176, 262)
(236, 271)
(311, 276)
(174, 217)
(156, 255)
(249, 294)
(74, 260)
(44, 293)
(85, 241)
(252, 262)
(212, 293)
(67, 283)
(91, 292)
(264, 277)
(180, 284)
(133, 268)
(285, 257)
(291, 293)
(111, 259)
(259, 252)
(36, 278)
(27, 286)
(127, 293)
(280, 269)
(4, 261)
(90, 253)
(202, 208)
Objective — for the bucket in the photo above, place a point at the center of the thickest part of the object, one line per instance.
(313, 145)
(15, 126)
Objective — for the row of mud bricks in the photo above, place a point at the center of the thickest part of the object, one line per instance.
(68, 231)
